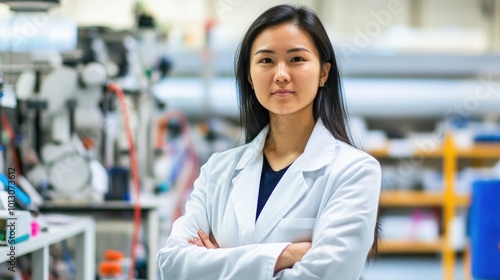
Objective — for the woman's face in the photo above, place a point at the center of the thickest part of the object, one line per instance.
(285, 70)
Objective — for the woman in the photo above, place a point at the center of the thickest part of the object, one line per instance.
(297, 201)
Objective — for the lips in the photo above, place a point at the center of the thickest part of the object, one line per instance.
(282, 92)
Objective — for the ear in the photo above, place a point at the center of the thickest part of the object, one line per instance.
(325, 70)
(250, 80)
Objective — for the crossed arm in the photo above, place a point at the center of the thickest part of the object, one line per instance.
(180, 259)
(343, 235)
(289, 256)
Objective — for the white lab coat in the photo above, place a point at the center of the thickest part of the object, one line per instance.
(329, 196)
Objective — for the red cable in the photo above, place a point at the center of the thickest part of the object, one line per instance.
(11, 134)
(135, 177)
(191, 153)
(186, 188)
(8, 127)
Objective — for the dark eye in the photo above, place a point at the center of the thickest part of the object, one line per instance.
(297, 59)
(266, 60)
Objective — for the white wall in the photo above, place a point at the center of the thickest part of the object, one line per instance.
(237, 15)
(339, 14)
(452, 26)
(344, 19)
(4, 11)
(466, 13)
(346, 15)
(111, 13)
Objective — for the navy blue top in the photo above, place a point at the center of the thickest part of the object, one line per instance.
(268, 181)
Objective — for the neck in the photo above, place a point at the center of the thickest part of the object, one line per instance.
(288, 136)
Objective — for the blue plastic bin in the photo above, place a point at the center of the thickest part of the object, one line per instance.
(485, 229)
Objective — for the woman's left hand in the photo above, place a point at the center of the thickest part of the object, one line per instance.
(204, 240)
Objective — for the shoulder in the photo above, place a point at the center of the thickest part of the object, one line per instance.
(353, 172)
(353, 158)
(226, 159)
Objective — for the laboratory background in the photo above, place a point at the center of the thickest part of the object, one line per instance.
(110, 107)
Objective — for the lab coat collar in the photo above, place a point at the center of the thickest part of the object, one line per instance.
(319, 148)
(291, 188)
(254, 149)
(318, 151)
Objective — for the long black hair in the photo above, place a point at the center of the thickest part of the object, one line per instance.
(329, 102)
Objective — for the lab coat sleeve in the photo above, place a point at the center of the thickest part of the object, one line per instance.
(344, 231)
(180, 260)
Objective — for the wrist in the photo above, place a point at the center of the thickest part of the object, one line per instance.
(285, 259)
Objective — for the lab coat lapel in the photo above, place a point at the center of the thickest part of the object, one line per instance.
(290, 189)
(244, 199)
(245, 184)
(293, 186)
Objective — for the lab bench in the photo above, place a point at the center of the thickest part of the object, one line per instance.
(118, 210)
(81, 228)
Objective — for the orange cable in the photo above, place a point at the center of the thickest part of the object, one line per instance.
(135, 177)
(191, 153)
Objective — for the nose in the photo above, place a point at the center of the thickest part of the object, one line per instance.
(281, 75)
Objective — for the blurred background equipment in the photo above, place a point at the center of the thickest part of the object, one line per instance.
(485, 229)
(31, 5)
(421, 86)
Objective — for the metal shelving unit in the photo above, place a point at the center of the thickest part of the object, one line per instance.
(82, 229)
(448, 200)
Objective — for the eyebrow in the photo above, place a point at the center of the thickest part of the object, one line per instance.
(288, 51)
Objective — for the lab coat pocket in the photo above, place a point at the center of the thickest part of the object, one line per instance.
(296, 229)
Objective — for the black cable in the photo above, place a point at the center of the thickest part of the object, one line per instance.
(71, 104)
